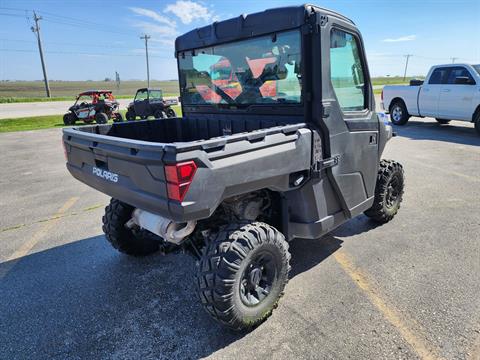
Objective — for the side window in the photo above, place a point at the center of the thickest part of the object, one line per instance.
(459, 71)
(346, 71)
(438, 76)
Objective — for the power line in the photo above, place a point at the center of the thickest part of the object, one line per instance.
(84, 53)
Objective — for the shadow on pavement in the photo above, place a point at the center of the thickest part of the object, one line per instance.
(455, 132)
(85, 300)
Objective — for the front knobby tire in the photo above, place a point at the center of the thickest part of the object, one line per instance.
(242, 274)
(101, 118)
(388, 192)
(134, 242)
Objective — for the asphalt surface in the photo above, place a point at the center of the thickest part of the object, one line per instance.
(408, 289)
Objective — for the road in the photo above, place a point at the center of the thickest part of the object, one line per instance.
(408, 289)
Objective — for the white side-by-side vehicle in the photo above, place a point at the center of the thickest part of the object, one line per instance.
(450, 92)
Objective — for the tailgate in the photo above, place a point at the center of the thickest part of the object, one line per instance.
(131, 171)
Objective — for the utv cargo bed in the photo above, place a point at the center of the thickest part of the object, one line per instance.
(127, 160)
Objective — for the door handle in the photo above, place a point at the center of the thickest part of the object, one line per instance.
(446, 90)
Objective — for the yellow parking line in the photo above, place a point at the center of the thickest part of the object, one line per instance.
(26, 247)
(393, 316)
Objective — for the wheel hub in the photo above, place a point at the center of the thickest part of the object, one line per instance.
(392, 192)
(257, 279)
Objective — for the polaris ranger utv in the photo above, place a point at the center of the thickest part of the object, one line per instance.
(246, 171)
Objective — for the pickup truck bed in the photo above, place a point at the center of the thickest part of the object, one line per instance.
(233, 156)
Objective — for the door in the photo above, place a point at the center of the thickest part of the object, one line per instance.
(456, 98)
(348, 113)
(430, 92)
(141, 102)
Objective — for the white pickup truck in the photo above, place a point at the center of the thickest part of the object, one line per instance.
(450, 92)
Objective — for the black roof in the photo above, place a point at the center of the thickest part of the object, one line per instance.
(244, 26)
(144, 89)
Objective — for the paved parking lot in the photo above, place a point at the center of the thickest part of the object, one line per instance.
(408, 289)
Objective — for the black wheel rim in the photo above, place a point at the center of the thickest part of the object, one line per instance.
(258, 279)
(394, 188)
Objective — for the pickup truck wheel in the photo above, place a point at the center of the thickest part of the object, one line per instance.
(476, 120)
(388, 192)
(242, 274)
(398, 113)
(101, 118)
(442, 121)
(128, 241)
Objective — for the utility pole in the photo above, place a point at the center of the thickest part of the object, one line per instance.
(36, 30)
(406, 66)
(453, 59)
(146, 37)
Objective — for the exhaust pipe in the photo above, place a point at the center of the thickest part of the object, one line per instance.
(169, 230)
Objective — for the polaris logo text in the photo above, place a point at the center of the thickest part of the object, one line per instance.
(104, 174)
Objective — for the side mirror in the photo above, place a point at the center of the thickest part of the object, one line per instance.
(464, 80)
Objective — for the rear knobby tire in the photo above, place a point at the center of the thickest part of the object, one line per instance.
(101, 118)
(399, 113)
(159, 114)
(171, 113)
(242, 274)
(117, 117)
(442, 121)
(135, 242)
(388, 192)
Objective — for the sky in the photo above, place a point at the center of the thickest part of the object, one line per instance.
(90, 40)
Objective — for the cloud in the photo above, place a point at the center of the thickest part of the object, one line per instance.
(154, 29)
(188, 11)
(154, 16)
(402, 38)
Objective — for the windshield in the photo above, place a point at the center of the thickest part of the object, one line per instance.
(155, 95)
(141, 95)
(262, 70)
(477, 68)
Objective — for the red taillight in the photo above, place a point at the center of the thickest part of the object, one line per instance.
(179, 177)
(382, 95)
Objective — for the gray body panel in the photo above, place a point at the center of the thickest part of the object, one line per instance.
(241, 150)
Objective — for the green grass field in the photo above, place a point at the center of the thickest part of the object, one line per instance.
(44, 122)
(30, 91)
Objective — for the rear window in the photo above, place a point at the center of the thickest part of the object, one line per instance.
(477, 68)
(458, 71)
(438, 76)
